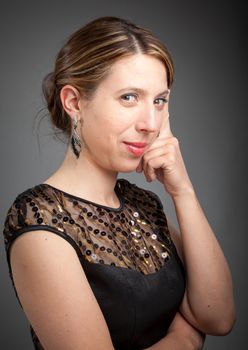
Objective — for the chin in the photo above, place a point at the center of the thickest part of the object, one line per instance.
(128, 166)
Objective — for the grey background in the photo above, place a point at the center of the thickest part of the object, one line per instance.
(207, 110)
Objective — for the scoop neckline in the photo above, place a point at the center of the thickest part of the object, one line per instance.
(70, 195)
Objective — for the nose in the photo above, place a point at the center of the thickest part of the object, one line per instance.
(148, 121)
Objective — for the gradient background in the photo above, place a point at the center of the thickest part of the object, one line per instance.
(207, 112)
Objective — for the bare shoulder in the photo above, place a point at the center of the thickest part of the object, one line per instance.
(55, 293)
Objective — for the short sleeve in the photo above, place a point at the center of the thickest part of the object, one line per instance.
(29, 213)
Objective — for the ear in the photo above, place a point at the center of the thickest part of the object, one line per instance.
(70, 99)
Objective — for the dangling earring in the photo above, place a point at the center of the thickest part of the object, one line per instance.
(75, 139)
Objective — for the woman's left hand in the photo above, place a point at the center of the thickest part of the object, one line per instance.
(164, 161)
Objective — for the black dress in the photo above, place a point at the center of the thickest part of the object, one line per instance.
(127, 255)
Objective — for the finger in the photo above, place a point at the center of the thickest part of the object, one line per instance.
(140, 166)
(165, 130)
(153, 164)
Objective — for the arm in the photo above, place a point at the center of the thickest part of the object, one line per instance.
(208, 301)
(181, 335)
(55, 293)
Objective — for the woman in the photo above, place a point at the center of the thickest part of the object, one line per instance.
(128, 279)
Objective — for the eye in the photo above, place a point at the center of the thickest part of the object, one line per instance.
(126, 97)
(164, 100)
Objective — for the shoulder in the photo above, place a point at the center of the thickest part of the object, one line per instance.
(36, 208)
(29, 208)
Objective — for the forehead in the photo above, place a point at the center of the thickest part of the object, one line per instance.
(143, 71)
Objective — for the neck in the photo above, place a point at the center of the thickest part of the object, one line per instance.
(84, 178)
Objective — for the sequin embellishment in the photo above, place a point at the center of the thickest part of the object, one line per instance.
(134, 236)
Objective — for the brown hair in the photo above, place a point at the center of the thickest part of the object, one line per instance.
(87, 56)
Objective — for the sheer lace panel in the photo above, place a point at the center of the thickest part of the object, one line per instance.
(134, 236)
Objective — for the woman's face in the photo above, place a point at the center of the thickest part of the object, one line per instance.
(128, 107)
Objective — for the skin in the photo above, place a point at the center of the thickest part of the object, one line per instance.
(115, 116)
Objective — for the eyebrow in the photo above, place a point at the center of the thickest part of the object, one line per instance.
(142, 91)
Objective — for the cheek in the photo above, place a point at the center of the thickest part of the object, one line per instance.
(107, 127)
(100, 134)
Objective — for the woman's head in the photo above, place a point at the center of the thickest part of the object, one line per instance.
(87, 57)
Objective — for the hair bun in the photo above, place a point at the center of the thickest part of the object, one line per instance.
(48, 86)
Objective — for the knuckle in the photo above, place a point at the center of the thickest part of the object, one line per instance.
(175, 141)
(171, 158)
(171, 146)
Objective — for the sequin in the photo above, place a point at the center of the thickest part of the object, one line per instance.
(164, 255)
(120, 237)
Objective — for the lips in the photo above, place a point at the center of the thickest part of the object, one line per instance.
(136, 144)
(136, 148)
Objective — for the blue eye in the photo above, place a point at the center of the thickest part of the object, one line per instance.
(164, 100)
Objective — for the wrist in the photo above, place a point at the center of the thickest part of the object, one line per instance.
(187, 191)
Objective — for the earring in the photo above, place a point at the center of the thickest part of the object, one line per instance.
(75, 139)
(158, 134)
